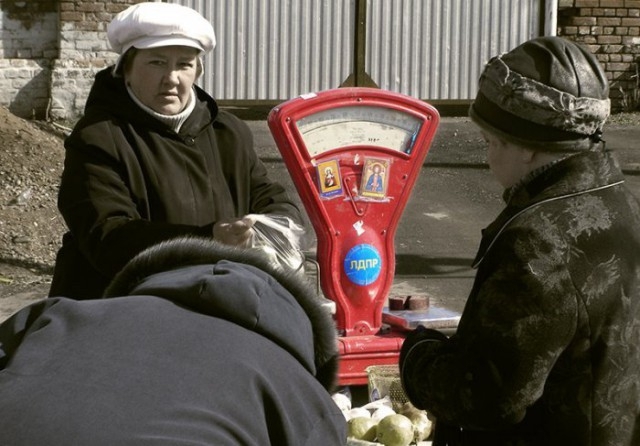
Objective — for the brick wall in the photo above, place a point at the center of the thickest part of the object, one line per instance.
(49, 53)
(611, 29)
(28, 46)
(50, 50)
(84, 50)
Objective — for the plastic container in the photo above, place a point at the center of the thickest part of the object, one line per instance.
(383, 381)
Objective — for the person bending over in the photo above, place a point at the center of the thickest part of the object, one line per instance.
(196, 343)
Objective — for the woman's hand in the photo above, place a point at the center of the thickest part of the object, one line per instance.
(236, 232)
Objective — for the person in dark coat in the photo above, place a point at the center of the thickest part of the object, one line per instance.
(547, 351)
(197, 343)
(153, 157)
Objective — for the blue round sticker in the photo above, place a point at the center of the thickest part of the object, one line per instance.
(363, 264)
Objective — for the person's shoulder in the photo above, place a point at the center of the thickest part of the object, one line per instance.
(93, 128)
(220, 118)
(101, 134)
(106, 89)
(228, 119)
(106, 100)
(235, 128)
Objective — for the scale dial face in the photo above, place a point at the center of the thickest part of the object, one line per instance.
(358, 125)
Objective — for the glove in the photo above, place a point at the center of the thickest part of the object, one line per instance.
(418, 336)
(422, 343)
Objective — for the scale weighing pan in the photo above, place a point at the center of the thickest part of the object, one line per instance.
(433, 317)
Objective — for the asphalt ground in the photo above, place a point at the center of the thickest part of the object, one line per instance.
(454, 197)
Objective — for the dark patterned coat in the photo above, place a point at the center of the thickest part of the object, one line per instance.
(548, 347)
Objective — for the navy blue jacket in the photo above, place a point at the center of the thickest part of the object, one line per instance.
(200, 351)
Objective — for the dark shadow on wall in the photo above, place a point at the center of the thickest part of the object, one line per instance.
(626, 88)
(32, 100)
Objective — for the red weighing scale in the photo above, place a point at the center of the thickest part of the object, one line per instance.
(354, 155)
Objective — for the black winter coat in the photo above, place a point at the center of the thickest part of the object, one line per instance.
(129, 181)
(208, 346)
(547, 351)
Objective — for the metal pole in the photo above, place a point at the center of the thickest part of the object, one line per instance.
(359, 76)
(360, 42)
(550, 17)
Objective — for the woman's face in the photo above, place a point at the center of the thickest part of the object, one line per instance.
(162, 78)
(507, 163)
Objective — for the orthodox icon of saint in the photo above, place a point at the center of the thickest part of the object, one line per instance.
(329, 178)
(375, 175)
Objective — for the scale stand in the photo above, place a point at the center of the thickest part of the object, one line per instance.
(354, 155)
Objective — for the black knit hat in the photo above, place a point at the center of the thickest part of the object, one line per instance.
(548, 93)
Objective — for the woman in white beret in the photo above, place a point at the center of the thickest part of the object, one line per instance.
(153, 157)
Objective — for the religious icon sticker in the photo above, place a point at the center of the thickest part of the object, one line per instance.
(375, 176)
(329, 179)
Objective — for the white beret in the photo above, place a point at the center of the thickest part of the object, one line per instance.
(153, 25)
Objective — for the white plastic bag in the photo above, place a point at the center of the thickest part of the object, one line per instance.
(279, 237)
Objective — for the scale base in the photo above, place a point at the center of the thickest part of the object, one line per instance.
(359, 352)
